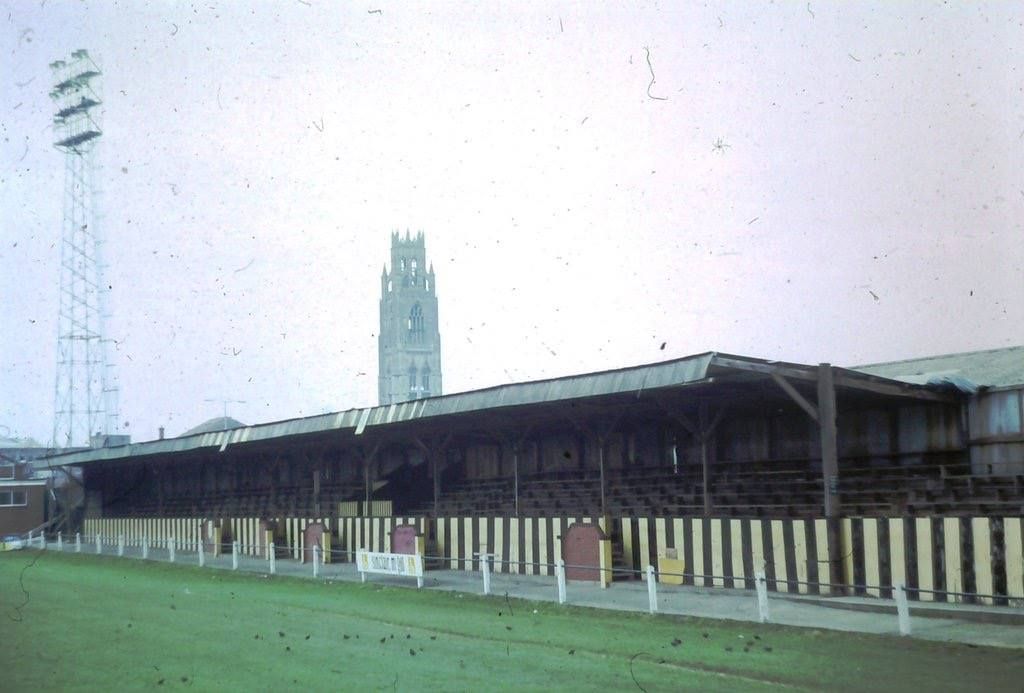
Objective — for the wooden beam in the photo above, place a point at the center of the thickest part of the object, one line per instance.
(843, 378)
(685, 422)
(710, 428)
(811, 410)
(790, 371)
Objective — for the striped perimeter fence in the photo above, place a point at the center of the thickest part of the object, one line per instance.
(977, 559)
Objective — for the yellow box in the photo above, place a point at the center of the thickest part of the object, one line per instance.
(670, 565)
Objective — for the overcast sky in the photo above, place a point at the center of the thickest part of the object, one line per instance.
(837, 182)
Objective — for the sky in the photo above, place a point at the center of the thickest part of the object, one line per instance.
(600, 185)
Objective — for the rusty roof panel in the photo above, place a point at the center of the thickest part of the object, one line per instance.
(991, 368)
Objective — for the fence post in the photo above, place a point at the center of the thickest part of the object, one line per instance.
(30, 536)
(762, 596)
(652, 590)
(485, 568)
(78, 542)
(902, 608)
(234, 555)
(145, 547)
(273, 559)
(60, 541)
(99, 544)
(202, 554)
(120, 545)
(170, 548)
(560, 574)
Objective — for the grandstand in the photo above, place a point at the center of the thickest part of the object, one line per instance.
(827, 476)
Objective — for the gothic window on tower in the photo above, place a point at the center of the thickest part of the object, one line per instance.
(425, 381)
(412, 378)
(415, 324)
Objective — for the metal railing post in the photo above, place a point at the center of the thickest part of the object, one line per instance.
(60, 541)
(120, 545)
(202, 554)
(99, 544)
(902, 608)
(652, 590)
(762, 596)
(560, 574)
(170, 548)
(485, 568)
(78, 542)
(145, 547)
(234, 555)
(273, 559)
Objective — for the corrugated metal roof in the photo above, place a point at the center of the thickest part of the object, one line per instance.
(635, 379)
(992, 368)
(219, 423)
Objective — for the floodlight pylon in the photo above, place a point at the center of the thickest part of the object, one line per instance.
(86, 392)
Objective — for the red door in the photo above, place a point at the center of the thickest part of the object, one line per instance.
(581, 549)
(313, 536)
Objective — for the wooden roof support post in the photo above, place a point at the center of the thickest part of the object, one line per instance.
(368, 459)
(702, 432)
(433, 451)
(366, 483)
(829, 447)
(514, 441)
(436, 476)
(830, 468)
(316, 492)
(600, 433)
(515, 475)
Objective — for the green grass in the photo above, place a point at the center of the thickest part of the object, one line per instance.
(104, 624)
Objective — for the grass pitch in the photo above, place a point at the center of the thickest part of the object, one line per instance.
(107, 624)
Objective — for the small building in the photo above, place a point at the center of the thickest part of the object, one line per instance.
(22, 497)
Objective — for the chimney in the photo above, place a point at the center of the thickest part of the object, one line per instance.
(161, 433)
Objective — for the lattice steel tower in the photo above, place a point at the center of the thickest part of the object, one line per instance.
(86, 389)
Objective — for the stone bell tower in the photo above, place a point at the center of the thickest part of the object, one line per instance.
(409, 342)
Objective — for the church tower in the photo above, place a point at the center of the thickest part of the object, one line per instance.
(409, 342)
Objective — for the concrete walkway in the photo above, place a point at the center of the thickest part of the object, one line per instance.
(963, 623)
